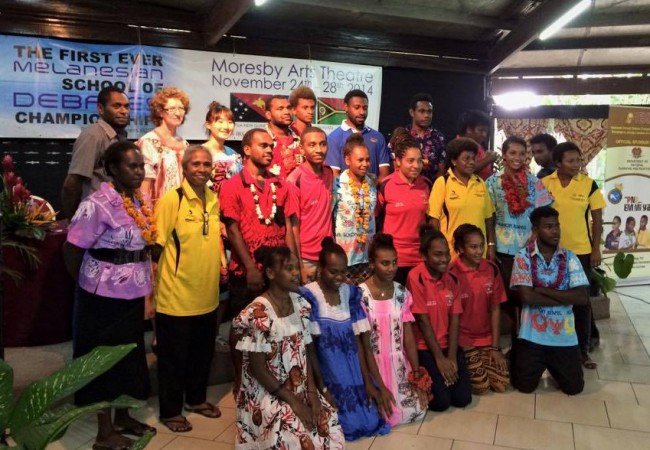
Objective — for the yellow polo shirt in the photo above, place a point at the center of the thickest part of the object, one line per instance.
(574, 203)
(187, 282)
(453, 204)
(643, 239)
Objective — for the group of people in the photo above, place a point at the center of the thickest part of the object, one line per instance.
(628, 239)
(365, 281)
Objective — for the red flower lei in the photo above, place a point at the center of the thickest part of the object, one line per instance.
(515, 189)
(561, 271)
(421, 380)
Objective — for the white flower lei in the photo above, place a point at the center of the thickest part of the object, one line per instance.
(274, 208)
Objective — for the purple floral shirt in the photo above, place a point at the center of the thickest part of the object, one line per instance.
(433, 149)
(102, 222)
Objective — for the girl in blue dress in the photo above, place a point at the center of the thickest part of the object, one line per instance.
(337, 324)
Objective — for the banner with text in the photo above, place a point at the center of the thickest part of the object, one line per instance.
(49, 86)
(627, 178)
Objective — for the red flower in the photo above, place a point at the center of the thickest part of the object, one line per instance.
(7, 164)
(10, 179)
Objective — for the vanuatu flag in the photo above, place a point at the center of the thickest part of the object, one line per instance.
(330, 111)
(248, 107)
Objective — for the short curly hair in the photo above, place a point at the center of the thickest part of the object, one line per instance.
(159, 100)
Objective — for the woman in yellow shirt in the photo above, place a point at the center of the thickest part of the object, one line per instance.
(579, 202)
(460, 196)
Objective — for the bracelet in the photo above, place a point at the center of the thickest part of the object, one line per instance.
(277, 389)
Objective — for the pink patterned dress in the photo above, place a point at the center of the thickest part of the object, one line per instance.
(263, 420)
(387, 319)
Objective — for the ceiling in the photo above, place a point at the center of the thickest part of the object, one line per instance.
(491, 37)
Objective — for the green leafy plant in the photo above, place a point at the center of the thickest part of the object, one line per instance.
(622, 266)
(32, 422)
(26, 251)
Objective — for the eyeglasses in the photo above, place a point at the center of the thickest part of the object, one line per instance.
(175, 110)
(206, 223)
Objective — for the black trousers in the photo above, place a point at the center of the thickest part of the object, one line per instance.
(530, 360)
(458, 394)
(585, 324)
(185, 350)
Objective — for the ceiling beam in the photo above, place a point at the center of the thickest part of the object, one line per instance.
(305, 35)
(115, 12)
(592, 42)
(572, 86)
(549, 71)
(222, 17)
(528, 30)
(400, 10)
(610, 19)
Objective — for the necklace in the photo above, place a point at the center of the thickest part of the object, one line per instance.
(141, 214)
(561, 270)
(515, 190)
(361, 197)
(274, 207)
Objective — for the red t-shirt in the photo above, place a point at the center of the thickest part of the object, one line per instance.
(485, 290)
(312, 196)
(286, 154)
(238, 204)
(488, 170)
(404, 206)
(436, 298)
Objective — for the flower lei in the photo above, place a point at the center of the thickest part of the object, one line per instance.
(361, 213)
(142, 215)
(274, 208)
(561, 271)
(515, 188)
(421, 380)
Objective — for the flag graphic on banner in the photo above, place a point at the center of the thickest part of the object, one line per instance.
(330, 111)
(248, 107)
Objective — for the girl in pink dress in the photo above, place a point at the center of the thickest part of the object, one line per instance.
(388, 307)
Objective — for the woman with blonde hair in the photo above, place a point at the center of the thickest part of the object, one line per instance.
(162, 148)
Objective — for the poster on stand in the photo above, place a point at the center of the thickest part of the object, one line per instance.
(627, 190)
(49, 87)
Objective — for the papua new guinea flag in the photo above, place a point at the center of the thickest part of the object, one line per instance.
(248, 107)
(330, 111)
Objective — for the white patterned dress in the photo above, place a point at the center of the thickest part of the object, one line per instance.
(263, 420)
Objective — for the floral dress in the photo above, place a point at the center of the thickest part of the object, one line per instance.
(335, 329)
(225, 164)
(161, 163)
(387, 319)
(263, 420)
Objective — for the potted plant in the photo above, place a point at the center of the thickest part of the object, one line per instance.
(33, 421)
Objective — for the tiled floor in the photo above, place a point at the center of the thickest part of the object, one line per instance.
(612, 413)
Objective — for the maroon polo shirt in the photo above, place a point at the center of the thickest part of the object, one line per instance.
(238, 204)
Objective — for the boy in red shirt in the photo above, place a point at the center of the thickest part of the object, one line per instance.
(479, 323)
(311, 191)
(436, 307)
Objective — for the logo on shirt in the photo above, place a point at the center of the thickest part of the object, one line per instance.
(374, 140)
(450, 298)
(399, 204)
(453, 195)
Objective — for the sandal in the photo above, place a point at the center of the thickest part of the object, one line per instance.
(205, 409)
(588, 363)
(135, 428)
(178, 424)
(125, 444)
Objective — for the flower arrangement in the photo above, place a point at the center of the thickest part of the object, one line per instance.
(22, 215)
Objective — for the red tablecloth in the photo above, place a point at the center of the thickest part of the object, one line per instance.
(38, 311)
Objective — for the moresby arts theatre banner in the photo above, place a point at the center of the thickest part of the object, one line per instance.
(48, 87)
(627, 188)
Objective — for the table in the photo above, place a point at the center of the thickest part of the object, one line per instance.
(38, 310)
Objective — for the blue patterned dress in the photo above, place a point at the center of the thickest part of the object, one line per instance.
(335, 329)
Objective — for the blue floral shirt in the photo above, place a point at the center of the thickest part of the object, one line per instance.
(548, 325)
(513, 232)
